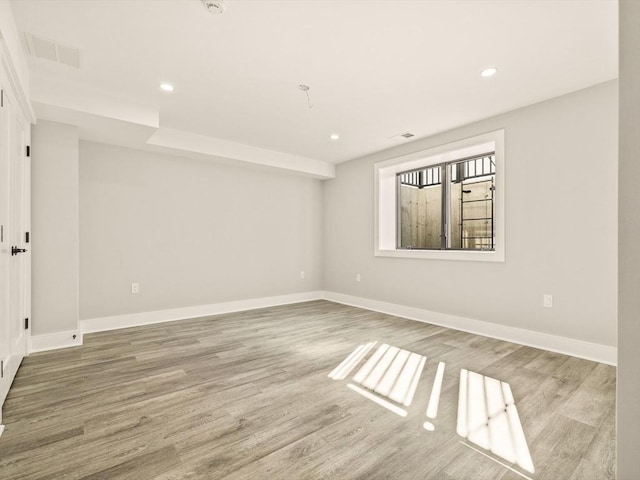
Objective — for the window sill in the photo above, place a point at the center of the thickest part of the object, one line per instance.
(470, 256)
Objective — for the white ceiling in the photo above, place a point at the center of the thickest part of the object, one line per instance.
(376, 68)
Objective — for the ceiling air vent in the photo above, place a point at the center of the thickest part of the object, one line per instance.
(44, 49)
(402, 136)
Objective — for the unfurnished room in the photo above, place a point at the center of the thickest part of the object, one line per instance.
(320, 239)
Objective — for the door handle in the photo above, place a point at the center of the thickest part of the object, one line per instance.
(16, 250)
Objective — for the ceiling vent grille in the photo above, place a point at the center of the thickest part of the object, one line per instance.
(44, 49)
(402, 136)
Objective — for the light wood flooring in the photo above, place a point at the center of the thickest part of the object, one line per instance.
(247, 396)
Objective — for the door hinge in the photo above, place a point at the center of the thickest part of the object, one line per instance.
(1, 368)
(26, 324)
(26, 237)
(28, 151)
(1, 98)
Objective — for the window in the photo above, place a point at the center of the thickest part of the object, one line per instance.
(446, 202)
(449, 206)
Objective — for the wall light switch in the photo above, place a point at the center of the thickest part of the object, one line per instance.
(358, 277)
(301, 274)
(135, 287)
(547, 301)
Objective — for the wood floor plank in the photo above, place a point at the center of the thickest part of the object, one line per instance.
(593, 400)
(145, 466)
(247, 395)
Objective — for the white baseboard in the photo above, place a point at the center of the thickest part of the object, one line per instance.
(102, 324)
(569, 346)
(54, 341)
(1, 430)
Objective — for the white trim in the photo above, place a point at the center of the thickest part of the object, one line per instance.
(568, 346)
(54, 341)
(385, 195)
(102, 324)
(19, 91)
(469, 255)
(1, 429)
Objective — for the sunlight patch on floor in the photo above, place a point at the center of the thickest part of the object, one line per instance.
(488, 418)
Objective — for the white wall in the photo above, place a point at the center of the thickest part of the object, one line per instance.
(561, 189)
(628, 384)
(10, 36)
(54, 221)
(191, 232)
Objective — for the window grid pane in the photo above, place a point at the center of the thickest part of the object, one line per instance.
(469, 207)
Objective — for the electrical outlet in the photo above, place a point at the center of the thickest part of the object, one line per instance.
(547, 301)
(301, 274)
(135, 287)
(358, 277)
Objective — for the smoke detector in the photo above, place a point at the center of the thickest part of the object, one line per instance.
(215, 6)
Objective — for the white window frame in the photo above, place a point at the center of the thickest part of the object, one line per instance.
(385, 192)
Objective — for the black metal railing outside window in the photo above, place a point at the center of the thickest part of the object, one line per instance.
(448, 206)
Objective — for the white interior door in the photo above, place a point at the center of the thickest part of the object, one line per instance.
(14, 256)
(16, 233)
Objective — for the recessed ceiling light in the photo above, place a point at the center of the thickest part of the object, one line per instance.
(489, 72)
(167, 87)
(334, 136)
